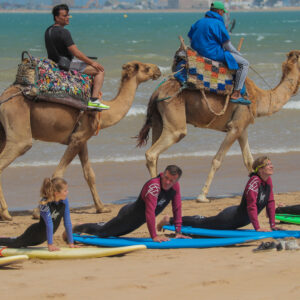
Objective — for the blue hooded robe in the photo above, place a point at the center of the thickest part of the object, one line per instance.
(207, 37)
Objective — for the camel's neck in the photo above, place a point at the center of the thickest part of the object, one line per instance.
(120, 105)
(271, 101)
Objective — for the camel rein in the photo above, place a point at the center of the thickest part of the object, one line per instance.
(22, 91)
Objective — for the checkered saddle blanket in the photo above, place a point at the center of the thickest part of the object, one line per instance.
(204, 74)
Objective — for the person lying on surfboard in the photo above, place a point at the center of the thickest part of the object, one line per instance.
(258, 194)
(54, 206)
(154, 197)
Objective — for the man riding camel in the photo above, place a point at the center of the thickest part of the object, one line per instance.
(210, 38)
(59, 43)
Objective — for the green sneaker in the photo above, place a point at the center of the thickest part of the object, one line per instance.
(97, 105)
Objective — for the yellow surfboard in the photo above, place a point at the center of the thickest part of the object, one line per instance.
(68, 253)
(4, 261)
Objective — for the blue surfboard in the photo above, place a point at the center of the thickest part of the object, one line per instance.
(172, 244)
(235, 233)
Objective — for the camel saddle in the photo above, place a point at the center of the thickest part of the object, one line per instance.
(48, 83)
(194, 71)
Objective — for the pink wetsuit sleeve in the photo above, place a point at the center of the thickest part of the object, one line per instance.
(150, 194)
(271, 205)
(251, 196)
(176, 206)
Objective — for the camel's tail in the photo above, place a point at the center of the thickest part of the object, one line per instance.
(143, 136)
(2, 138)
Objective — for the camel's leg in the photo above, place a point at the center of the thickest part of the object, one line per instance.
(89, 176)
(157, 128)
(15, 147)
(230, 138)
(72, 150)
(247, 156)
(15, 119)
(174, 129)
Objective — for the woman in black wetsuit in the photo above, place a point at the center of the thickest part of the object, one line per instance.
(53, 207)
(258, 194)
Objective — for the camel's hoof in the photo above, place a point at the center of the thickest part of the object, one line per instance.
(36, 214)
(202, 199)
(103, 210)
(5, 216)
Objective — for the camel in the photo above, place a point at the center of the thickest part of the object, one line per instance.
(168, 118)
(22, 120)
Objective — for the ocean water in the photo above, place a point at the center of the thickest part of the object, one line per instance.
(153, 37)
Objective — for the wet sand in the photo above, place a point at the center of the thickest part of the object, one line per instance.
(121, 182)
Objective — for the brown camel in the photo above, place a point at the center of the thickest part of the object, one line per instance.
(21, 121)
(168, 118)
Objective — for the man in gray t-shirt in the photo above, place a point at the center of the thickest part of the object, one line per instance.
(59, 42)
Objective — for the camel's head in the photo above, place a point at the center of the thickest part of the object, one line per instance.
(142, 71)
(292, 65)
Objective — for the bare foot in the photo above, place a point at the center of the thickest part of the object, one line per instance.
(236, 95)
(164, 221)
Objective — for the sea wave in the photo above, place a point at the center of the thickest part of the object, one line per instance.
(123, 159)
(137, 110)
(292, 105)
(165, 70)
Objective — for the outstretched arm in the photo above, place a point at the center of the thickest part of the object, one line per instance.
(45, 214)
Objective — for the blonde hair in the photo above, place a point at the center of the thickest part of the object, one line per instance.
(51, 186)
(260, 162)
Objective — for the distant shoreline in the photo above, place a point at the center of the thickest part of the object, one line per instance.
(101, 11)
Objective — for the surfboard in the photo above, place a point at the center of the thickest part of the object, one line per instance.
(235, 233)
(4, 261)
(294, 219)
(172, 244)
(69, 253)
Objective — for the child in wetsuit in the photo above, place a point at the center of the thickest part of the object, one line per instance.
(54, 206)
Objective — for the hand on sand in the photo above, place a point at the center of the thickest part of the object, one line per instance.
(74, 246)
(160, 239)
(263, 229)
(53, 248)
(181, 236)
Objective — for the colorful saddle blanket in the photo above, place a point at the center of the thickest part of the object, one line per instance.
(50, 81)
(197, 72)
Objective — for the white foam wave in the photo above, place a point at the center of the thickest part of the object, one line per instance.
(165, 69)
(260, 37)
(137, 110)
(288, 41)
(292, 105)
(118, 158)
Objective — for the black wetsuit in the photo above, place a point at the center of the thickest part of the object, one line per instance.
(290, 210)
(36, 233)
(133, 215)
(257, 195)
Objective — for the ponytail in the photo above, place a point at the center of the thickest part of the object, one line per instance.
(49, 187)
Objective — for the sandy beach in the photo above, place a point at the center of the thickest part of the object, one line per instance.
(227, 272)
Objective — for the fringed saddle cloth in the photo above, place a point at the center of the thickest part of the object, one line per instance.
(49, 83)
(198, 72)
